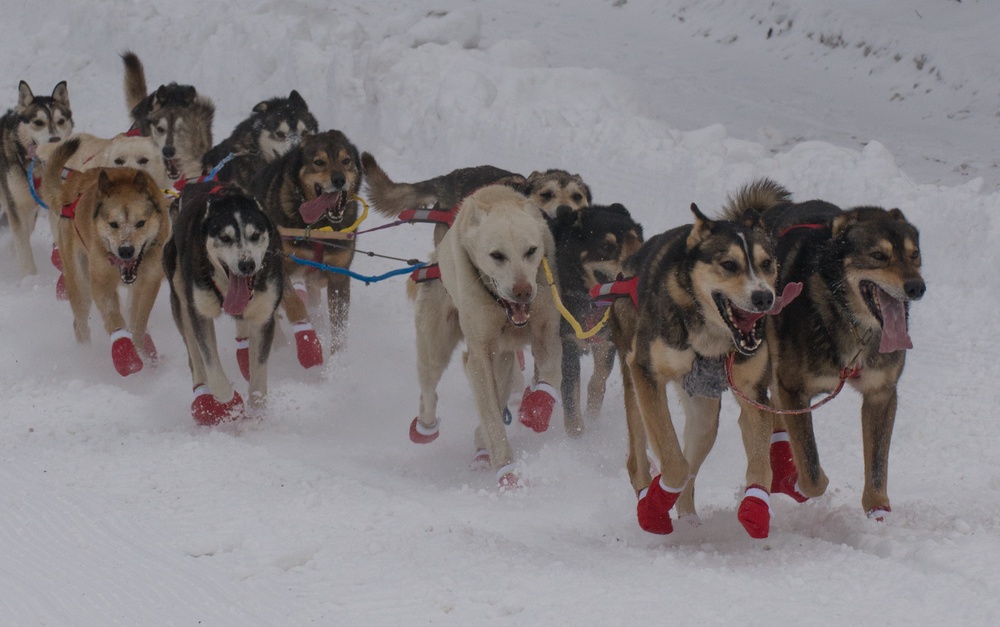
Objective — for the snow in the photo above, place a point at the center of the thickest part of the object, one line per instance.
(115, 508)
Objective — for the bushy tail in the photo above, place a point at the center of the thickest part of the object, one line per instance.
(135, 80)
(51, 179)
(758, 195)
(388, 198)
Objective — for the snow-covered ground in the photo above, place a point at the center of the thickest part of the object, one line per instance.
(115, 508)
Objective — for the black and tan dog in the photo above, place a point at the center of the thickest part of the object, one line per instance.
(592, 244)
(315, 185)
(223, 257)
(861, 270)
(697, 314)
(111, 232)
(177, 118)
(274, 127)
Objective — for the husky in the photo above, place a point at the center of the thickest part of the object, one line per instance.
(315, 184)
(549, 190)
(493, 294)
(177, 118)
(861, 269)
(592, 244)
(701, 296)
(36, 121)
(112, 226)
(274, 127)
(223, 256)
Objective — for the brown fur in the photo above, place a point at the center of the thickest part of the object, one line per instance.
(115, 207)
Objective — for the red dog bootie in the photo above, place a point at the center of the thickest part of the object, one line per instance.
(243, 356)
(536, 406)
(310, 351)
(419, 434)
(56, 258)
(123, 353)
(879, 514)
(480, 461)
(150, 350)
(784, 475)
(508, 480)
(755, 512)
(208, 411)
(655, 502)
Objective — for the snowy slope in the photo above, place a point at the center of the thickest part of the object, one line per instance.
(117, 509)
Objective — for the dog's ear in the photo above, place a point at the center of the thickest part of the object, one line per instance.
(60, 93)
(260, 107)
(632, 242)
(24, 97)
(103, 184)
(897, 214)
(586, 189)
(188, 95)
(529, 183)
(843, 222)
(702, 227)
(297, 100)
(751, 218)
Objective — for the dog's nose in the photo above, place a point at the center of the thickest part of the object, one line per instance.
(762, 299)
(53, 139)
(338, 181)
(522, 292)
(126, 252)
(564, 209)
(915, 289)
(169, 151)
(246, 267)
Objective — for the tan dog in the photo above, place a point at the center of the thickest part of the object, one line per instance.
(113, 226)
(493, 294)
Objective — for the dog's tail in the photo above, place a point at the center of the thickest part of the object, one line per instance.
(389, 198)
(52, 172)
(135, 80)
(758, 195)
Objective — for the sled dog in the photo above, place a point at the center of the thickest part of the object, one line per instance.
(861, 269)
(493, 294)
(112, 226)
(223, 256)
(35, 121)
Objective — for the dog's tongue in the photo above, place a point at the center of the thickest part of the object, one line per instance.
(237, 296)
(313, 210)
(790, 293)
(518, 313)
(894, 334)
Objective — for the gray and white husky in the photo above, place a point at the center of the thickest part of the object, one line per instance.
(37, 120)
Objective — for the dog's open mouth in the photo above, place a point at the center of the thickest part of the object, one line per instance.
(517, 313)
(891, 315)
(128, 268)
(173, 168)
(329, 204)
(238, 294)
(747, 327)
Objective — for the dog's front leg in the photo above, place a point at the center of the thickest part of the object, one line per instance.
(812, 480)
(104, 281)
(478, 368)
(604, 361)
(141, 298)
(338, 301)
(701, 426)
(261, 336)
(638, 460)
(22, 216)
(571, 385)
(878, 416)
(208, 352)
(651, 397)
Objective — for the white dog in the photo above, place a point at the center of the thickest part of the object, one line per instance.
(493, 293)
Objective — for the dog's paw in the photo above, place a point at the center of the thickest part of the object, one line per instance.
(56, 258)
(61, 292)
(243, 356)
(480, 461)
(149, 350)
(307, 345)
(784, 475)
(755, 512)
(536, 406)
(123, 353)
(509, 481)
(653, 509)
(208, 410)
(879, 514)
(419, 434)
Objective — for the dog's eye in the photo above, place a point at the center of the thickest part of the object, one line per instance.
(879, 256)
(140, 224)
(546, 196)
(226, 239)
(254, 238)
(119, 161)
(159, 129)
(143, 161)
(498, 256)
(38, 124)
(767, 265)
(60, 122)
(729, 265)
(113, 225)
(531, 252)
(345, 161)
(577, 197)
(915, 256)
(279, 135)
(319, 163)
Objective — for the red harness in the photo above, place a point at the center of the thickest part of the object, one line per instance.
(606, 293)
(435, 216)
(431, 272)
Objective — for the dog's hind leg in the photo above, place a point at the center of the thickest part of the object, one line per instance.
(878, 415)
(604, 363)
(638, 459)
(812, 481)
(701, 426)
(571, 386)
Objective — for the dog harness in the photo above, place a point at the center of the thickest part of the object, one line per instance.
(604, 294)
(431, 272)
